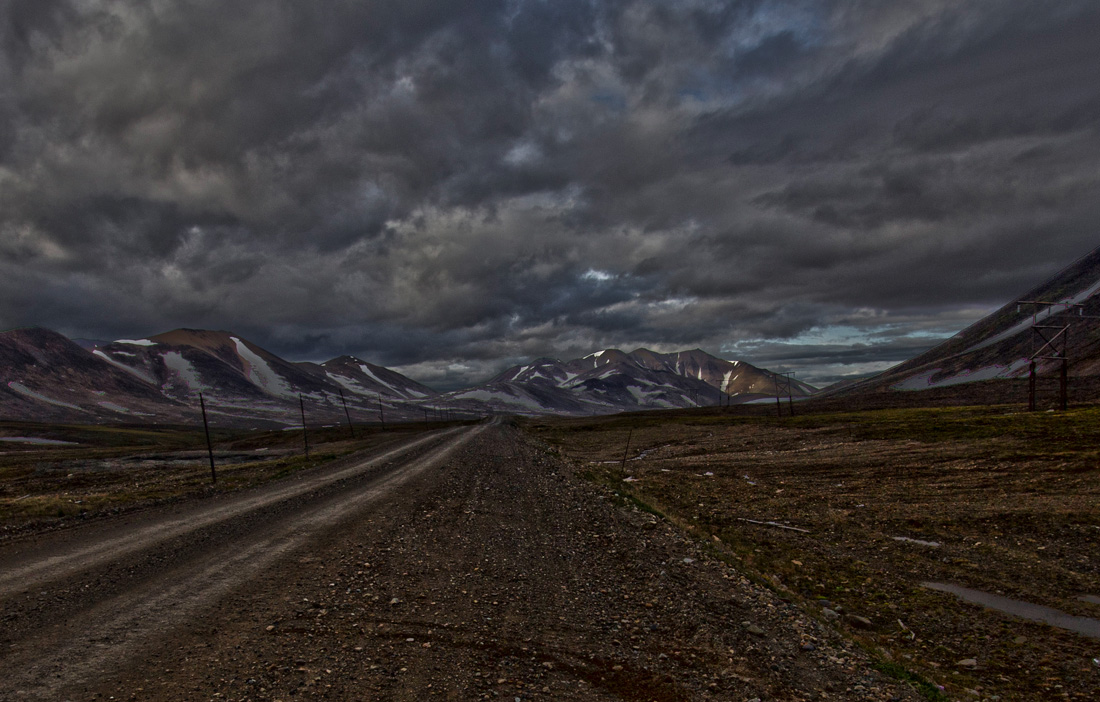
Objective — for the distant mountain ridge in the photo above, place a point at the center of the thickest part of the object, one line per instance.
(364, 378)
(47, 377)
(158, 379)
(999, 345)
(612, 380)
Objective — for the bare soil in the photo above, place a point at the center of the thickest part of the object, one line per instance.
(848, 513)
(474, 564)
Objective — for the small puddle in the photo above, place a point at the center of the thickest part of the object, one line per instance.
(1025, 610)
(36, 440)
(919, 542)
(1091, 599)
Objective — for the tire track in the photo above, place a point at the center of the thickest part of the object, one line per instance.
(38, 571)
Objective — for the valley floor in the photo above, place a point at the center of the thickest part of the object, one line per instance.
(852, 514)
(466, 564)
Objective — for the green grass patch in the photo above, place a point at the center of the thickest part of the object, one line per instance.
(899, 672)
(643, 505)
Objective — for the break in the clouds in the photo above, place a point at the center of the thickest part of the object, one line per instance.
(823, 187)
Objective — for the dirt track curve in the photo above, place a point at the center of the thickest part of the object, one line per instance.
(465, 564)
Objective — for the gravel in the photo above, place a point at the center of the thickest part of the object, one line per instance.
(494, 573)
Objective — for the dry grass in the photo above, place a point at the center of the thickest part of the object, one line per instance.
(113, 468)
(1012, 498)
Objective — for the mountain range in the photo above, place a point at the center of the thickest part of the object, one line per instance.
(611, 381)
(47, 377)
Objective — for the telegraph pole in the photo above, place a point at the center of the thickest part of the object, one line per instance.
(626, 452)
(381, 416)
(209, 446)
(346, 413)
(1054, 347)
(779, 387)
(1031, 386)
(790, 393)
(305, 436)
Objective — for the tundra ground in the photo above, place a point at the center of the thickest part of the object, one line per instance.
(849, 513)
(464, 563)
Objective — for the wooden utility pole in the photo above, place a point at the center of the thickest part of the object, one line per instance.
(209, 446)
(1054, 336)
(305, 435)
(381, 416)
(1064, 385)
(1031, 386)
(779, 388)
(790, 394)
(346, 412)
(626, 452)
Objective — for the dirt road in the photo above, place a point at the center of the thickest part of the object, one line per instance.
(465, 564)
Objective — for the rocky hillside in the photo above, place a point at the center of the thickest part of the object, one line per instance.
(46, 377)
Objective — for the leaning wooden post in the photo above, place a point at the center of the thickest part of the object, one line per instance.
(380, 414)
(209, 446)
(346, 413)
(778, 403)
(622, 468)
(305, 437)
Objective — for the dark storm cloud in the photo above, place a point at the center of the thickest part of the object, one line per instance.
(449, 187)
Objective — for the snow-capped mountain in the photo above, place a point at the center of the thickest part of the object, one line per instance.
(159, 378)
(612, 381)
(46, 377)
(237, 377)
(362, 378)
(241, 378)
(735, 378)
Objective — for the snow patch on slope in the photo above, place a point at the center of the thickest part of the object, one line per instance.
(646, 399)
(923, 381)
(114, 407)
(504, 398)
(262, 374)
(349, 384)
(24, 390)
(137, 372)
(175, 361)
(366, 371)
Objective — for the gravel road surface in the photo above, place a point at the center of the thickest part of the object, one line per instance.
(465, 564)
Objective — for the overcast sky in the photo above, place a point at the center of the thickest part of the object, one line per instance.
(447, 188)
